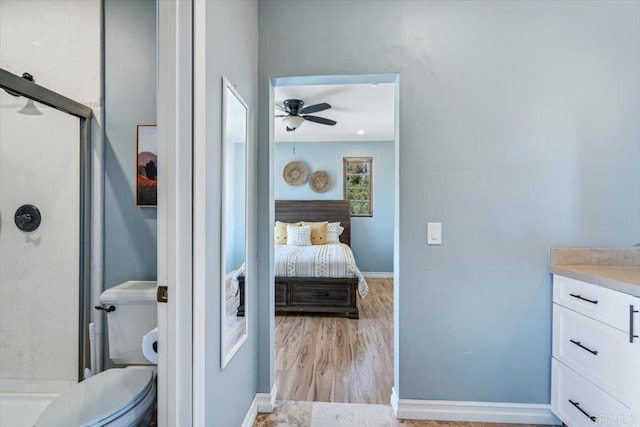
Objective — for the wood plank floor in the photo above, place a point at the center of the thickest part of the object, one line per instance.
(335, 359)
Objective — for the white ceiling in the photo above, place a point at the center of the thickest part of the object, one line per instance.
(355, 107)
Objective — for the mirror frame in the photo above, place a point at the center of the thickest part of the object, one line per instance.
(229, 89)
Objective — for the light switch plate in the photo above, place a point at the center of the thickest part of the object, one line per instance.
(434, 233)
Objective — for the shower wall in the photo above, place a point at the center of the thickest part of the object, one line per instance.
(38, 164)
(39, 282)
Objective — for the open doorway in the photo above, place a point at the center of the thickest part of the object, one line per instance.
(334, 337)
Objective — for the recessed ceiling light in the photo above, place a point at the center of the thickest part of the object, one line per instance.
(360, 132)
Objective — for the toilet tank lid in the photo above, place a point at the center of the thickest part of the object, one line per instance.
(130, 292)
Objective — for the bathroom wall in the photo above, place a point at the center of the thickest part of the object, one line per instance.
(231, 51)
(130, 236)
(371, 237)
(39, 165)
(518, 131)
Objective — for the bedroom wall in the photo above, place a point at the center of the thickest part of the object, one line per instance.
(519, 131)
(130, 232)
(371, 237)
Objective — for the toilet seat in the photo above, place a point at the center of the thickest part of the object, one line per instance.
(100, 399)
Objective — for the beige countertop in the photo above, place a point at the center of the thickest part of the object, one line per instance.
(617, 269)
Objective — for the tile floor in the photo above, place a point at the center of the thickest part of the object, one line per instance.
(322, 414)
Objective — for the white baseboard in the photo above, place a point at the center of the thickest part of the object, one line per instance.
(252, 413)
(378, 274)
(488, 412)
(267, 401)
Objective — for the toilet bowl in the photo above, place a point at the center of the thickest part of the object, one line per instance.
(117, 397)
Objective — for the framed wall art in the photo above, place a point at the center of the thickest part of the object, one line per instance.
(358, 185)
(147, 165)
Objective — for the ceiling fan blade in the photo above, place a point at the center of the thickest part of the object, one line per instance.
(281, 108)
(315, 108)
(281, 115)
(320, 120)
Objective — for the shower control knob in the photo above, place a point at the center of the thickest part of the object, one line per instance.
(27, 218)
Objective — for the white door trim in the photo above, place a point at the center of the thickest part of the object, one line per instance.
(175, 134)
(199, 191)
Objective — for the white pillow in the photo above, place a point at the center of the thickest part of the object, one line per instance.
(334, 230)
(299, 235)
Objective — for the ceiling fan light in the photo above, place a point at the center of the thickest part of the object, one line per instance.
(293, 122)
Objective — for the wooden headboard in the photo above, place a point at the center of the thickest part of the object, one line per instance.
(316, 210)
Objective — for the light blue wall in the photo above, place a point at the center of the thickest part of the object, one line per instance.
(240, 206)
(129, 100)
(518, 131)
(371, 237)
(236, 208)
(231, 36)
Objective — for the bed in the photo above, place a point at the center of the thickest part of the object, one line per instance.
(304, 294)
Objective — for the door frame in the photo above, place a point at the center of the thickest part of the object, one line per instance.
(327, 79)
(176, 370)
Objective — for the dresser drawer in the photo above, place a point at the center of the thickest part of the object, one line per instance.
(600, 303)
(600, 353)
(577, 402)
(319, 295)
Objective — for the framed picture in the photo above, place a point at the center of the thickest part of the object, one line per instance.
(147, 165)
(358, 184)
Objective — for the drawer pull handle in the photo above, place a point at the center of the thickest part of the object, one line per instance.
(320, 294)
(594, 352)
(586, 414)
(631, 335)
(592, 301)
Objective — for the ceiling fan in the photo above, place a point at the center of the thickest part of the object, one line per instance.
(296, 113)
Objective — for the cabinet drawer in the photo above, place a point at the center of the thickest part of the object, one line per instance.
(599, 408)
(600, 353)
(314, 294)
(281, 294)
(610, 307)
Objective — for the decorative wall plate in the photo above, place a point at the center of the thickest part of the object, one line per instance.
(320, 181)
(295, 173)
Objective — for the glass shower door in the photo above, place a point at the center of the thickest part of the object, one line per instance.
(39, 267)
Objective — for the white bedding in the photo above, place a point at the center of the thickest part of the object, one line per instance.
(331, 260)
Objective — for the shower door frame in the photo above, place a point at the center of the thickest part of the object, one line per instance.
(41, 94)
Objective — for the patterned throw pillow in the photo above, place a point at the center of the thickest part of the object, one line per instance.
(334, 230)
(318, 232)
(280, 232)
(299, 235)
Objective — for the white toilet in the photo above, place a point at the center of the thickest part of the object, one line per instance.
(117, 396)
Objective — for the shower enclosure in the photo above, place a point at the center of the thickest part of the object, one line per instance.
(44, 246)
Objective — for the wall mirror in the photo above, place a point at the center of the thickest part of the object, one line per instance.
(234, 221)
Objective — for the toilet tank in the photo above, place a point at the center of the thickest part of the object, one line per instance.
(135, 314)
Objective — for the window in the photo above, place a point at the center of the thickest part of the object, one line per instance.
(358, 177)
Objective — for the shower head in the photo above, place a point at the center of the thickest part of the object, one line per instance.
(25, 76)
(30, 108)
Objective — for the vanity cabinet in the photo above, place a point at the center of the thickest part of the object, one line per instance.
(596, 355)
